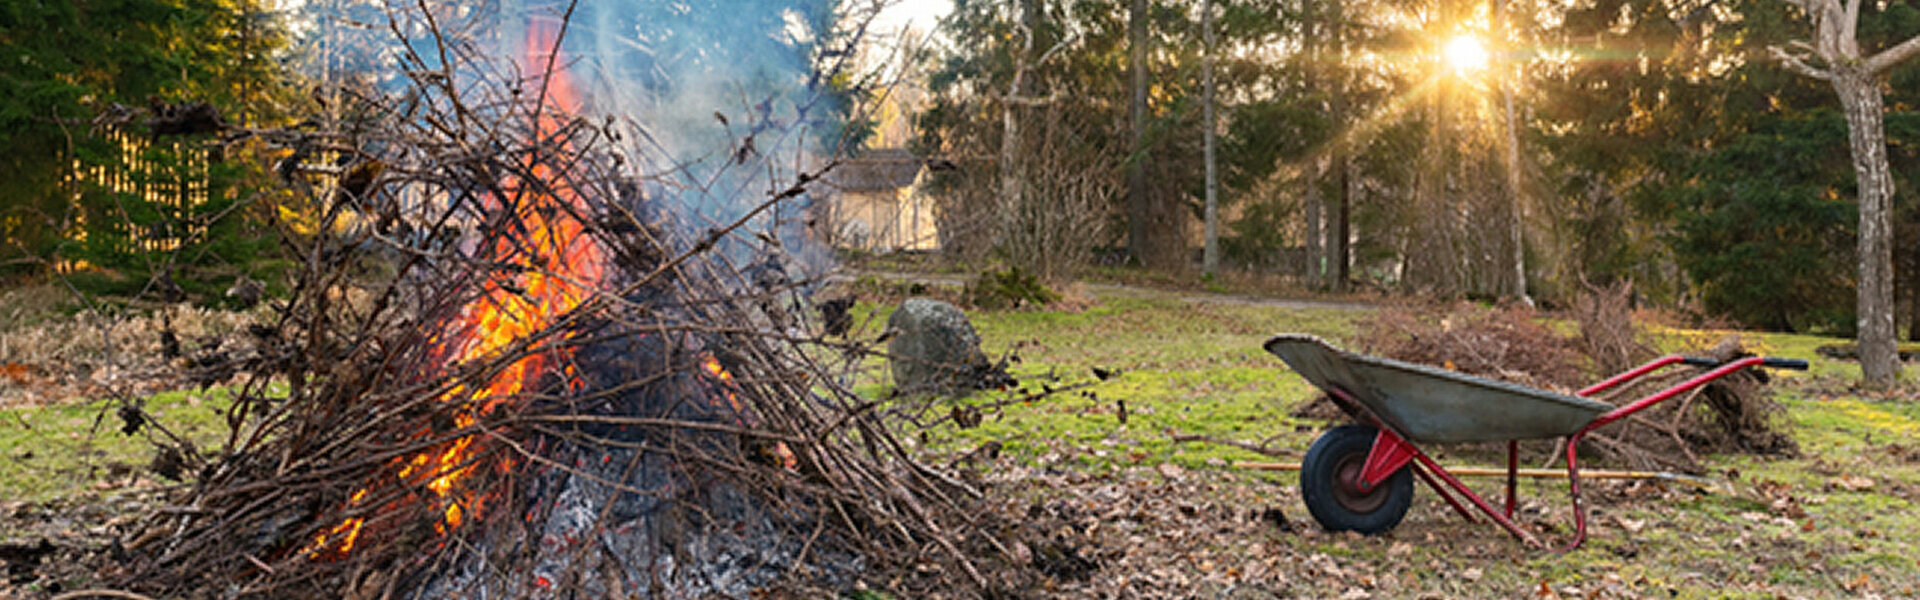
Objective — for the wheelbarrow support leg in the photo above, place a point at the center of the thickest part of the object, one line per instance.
(1453, 482)
(1389, 453)
(1513, 474)
(1573, 490)
(1441, 490)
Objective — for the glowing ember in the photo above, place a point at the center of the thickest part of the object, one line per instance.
(781, 452)
(556, 264)
(712, 365)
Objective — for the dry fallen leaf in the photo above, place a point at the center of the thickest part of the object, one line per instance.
(1852, 483)
(1859, 584)
(1171, 471)
(1630, 525)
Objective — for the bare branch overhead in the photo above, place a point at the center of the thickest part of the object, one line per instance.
(1886, 59)
(1795, 63)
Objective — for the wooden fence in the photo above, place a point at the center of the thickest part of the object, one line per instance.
(172, 176)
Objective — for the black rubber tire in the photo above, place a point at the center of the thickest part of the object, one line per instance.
(1329, 484)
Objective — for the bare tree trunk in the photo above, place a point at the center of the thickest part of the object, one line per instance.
(1139, 211)
(1316, 228)
(1210, 258)
(1517, 201)
(1316, 264)
(1517, 206)
(1343, 253)
(1857, 80)
(1013, 184)
(1860, 98)
(1342, 161)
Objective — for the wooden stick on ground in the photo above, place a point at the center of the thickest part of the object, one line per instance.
(1261, 448)
(1698, 482)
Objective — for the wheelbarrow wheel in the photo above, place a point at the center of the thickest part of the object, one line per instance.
(1330, 484)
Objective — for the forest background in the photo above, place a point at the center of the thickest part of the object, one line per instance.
(1672, 145)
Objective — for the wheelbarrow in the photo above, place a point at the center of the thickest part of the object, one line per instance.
(1360, 477)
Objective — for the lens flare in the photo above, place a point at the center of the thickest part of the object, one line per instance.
(1465, 54)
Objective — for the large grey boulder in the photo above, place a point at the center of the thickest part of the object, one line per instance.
(935, 350)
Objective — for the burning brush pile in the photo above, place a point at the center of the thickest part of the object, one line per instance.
(515, 367)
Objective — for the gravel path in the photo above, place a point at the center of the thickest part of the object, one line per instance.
(1124, 290)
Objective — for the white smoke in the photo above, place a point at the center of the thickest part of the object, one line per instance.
(723, 101)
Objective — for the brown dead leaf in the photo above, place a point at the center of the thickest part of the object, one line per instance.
(1171, 471)
(1787, 507)
(1852, 483)
(17, 374)
(1860, 584)
(1773, 489)
(1629, 525)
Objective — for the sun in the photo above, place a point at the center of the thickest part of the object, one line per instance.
(1465, 54)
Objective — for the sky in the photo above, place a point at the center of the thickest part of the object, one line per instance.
(921, 14)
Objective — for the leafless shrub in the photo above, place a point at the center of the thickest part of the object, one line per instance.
(1608, 333)
(1066, 184)
(1064, 210)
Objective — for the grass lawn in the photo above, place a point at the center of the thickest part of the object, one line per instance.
(1833, 522)
(1178, 519)
(1193, 369)
(60, 451)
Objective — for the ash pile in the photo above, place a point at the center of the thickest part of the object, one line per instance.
(536, 352)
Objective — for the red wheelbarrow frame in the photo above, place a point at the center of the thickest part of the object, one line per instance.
(1391, 450)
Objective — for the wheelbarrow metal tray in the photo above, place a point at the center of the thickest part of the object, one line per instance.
(1434, 405)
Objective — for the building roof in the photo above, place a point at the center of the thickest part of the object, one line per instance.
(876, 170)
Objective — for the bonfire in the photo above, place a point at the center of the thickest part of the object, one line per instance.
(516, 366)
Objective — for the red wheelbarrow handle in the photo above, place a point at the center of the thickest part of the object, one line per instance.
(1573, 441)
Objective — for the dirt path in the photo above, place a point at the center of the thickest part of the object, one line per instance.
(1121, 289)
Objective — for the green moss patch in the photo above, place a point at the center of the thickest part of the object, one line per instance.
(57, 451)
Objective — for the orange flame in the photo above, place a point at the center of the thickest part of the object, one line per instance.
(712, 366)
(781, 453)
(559, 261)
